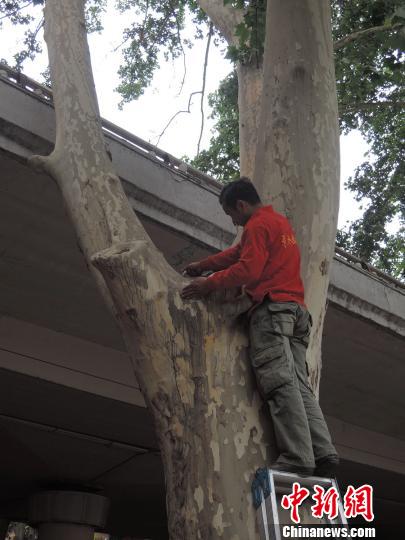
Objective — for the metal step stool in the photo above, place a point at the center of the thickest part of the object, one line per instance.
(269, 486)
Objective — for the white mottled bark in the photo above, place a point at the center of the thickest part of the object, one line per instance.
(297, 160)
(224, 17)
(250, 84)
(189, 357)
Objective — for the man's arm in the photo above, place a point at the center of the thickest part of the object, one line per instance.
(221, 260)
(249, 266)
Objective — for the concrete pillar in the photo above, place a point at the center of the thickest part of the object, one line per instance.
(3, 528)
(68, 515)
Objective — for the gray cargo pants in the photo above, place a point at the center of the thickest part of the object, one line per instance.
(279, 335)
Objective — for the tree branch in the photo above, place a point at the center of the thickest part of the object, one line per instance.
(369, 105)
(207, 50)
(121, 44)
(183, 55)
(38, 28)
(225, 18)
(176, 114)
(340, 43)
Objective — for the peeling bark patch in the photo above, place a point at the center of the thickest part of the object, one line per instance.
(239, 445)
(324, 267)
(199, 498)
(217, 520)
(251, 431)
(215, 454)
(209, 342)
(185, 386)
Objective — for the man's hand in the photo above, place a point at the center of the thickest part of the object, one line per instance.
(193, 269)
(196, 289)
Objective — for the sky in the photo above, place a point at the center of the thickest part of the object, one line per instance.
(148, 116)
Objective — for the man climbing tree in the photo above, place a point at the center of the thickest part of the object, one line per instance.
(266, 263)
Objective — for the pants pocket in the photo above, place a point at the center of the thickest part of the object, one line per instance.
(269, 323)
(272, 369)
(283, 316)
(303, 326)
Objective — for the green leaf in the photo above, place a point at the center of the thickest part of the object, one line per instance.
(242, 32)
(232, 53)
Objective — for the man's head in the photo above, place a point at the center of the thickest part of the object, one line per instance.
(239, 200)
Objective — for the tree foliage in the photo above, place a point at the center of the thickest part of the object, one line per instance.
(28, 14)
(250, 32)
(371, 92)
(157, 27)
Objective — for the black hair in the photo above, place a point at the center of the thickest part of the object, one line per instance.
(239, 190)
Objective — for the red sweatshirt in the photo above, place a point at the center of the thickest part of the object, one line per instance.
(266, 260)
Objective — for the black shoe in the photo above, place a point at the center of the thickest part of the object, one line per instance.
(291, 468)
(327, 465)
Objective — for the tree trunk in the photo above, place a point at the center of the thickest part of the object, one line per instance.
(297, 160)
(190, 362)
(250, 83)
(189, 358)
